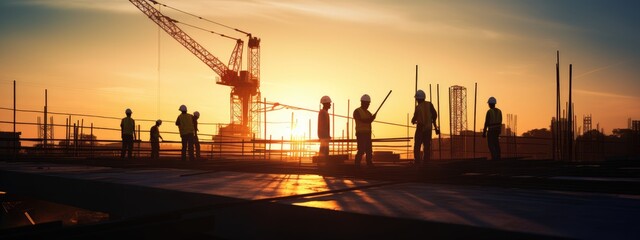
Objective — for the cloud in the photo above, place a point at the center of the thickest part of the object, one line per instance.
(598, 69)
(604, 94)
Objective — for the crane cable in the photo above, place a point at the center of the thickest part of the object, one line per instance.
(203, 29)
(196, 16)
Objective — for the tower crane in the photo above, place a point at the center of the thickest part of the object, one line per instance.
(245, 84)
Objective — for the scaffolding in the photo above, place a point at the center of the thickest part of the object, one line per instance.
(586, 124)
(458, 109)
(458, 115)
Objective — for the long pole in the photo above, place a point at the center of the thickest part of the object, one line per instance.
(264, 105)
(407, 135)
(475, 102)
(385, 99)
(415, 101)
(450, 127)
(570, 117)
(333, 125)
(45, 120)
(14, 138)
(14, 108)
(416, 88)
(556, 145)
(348, 136)
(439, 135)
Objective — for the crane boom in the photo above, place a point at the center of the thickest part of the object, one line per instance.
(227, 76)
(245, 85)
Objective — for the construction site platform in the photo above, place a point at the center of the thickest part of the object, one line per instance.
(257, 200)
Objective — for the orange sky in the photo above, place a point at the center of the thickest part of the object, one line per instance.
(101, 58)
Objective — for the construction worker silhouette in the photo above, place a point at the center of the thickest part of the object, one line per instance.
(196, 141)
(363, 119)
(323, 126)
(127, 128)
(492, 128)
(424, 116)
(154, 138)
(185, 125)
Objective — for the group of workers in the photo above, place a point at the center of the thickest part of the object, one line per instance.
(424, 117)
(187, 125)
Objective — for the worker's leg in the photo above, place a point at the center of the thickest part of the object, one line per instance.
(426, 142)
(130, 147)
(155, 150)
(196, 143)
(361, 148)
(492, 140)
(184, 147)
(190, 142)
(324, 147)
(368, 148)
(123, 146)
(417, 143)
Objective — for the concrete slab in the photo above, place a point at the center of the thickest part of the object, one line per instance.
(552, 213)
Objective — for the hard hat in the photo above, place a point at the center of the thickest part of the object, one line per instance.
(365, 98)
(492, 100)
(325, 99)
(158, 121)
(420, 95)
(128, 111)
(182, 108)
(196, 114)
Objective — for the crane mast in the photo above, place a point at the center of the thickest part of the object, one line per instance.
(245, 92)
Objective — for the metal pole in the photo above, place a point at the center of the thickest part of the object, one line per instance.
(556, 142)
(570, 117)
(475, 102)
(91, 139)
(450, 128)
(14, 108)
(333, 125)
(14, 138)
(348, 136)
(265, 119)
(265, 127)
(385, 99)
(416, 89)
(439, 135)
(408, 135)
(81, 132)
(45, 120)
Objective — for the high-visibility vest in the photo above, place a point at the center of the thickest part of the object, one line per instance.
(128, 125)
(185, 124)
(363, 127)
(495, 118)
(423, 114)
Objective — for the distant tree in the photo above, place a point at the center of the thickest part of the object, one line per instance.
(623, 133)
(538, 133)
(592, 135)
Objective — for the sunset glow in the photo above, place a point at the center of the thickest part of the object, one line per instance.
(101, 58)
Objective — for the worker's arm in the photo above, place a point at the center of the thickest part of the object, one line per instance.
(414, 119)
(434, 117)
(486, 125)
(357, 117)
(178, 121)
(434, 114)
(134, 129)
